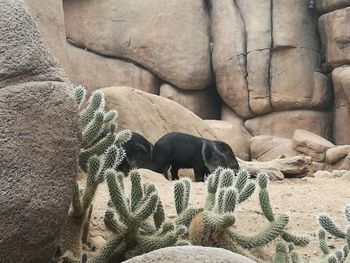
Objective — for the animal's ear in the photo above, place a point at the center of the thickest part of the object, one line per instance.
(140, 148)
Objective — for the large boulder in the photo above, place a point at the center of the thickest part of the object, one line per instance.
(204, 103)
(95, 71)
(49, 17)
(325, 6)
(335, 35)
(265, 148)
(256, 15)
(311, 144)
(190, 254)
(283, 124)
(39, 140)
(169, 38)
(229, 62)
(341, 86)
(153, 116)
(235, 135)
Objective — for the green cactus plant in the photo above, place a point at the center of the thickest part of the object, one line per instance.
(95, 158)
(129, 221)
(329, 226)
(213, 226)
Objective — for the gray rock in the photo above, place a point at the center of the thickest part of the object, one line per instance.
(190, 254)
(39, 141)
(49, 17)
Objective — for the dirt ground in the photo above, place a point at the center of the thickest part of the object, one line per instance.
(302, 199)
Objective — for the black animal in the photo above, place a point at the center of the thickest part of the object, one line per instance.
(180, 150)
(138, 154)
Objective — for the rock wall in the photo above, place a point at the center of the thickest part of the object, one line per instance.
(265, 58)
(335, 34)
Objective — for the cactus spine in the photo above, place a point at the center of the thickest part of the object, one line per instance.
(96, 156)
(328, 226)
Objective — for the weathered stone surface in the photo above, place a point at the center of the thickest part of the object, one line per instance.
(39, 140)
(292, 78)
(341, 86)
(256, 16)
(49, 17)
(283, 124)
(229, 62)
(325, 6)
(95, 71)
(337, 153)
(294, 25)
(258, 68)
(234, 135)
(335, 35)
(266, 148)
(311, 144)
(169, 38)
(204, 103)
(153, 116)
(322, 94)
(190, 254)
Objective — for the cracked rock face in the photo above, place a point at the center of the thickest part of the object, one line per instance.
(39, 140)
(170, 38)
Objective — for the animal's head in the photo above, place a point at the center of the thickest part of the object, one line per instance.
(217, 153)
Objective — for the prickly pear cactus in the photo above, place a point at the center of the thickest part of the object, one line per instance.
(99, 152)
(328, 226)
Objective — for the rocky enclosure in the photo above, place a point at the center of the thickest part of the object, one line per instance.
(263, 59)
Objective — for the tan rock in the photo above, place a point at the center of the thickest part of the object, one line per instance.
(337, 153)
(335, 35)
(258, 67)
(341, 86)
(318, 166)
(153, 116)
(190, 254)
(236, 136)
(204, 103)
(95, 71)
(49, 17)
(322, 93)
(39, 140)
(283, 124)
(256, 16)
(294, 25)
(292, 78)
(325, 6)
(228, 58)
(311, 144)
(169, 38)
(266, 148)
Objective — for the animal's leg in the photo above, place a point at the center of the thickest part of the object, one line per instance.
(174, 172)
(198, 174)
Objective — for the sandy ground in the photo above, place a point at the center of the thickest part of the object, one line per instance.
(302, 199)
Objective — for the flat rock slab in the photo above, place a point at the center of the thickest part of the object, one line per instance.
(190, 254)
(311, 144)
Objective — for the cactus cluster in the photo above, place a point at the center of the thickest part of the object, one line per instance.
(328, 226)
(99, 152)
(138, 222)
(213, 226)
